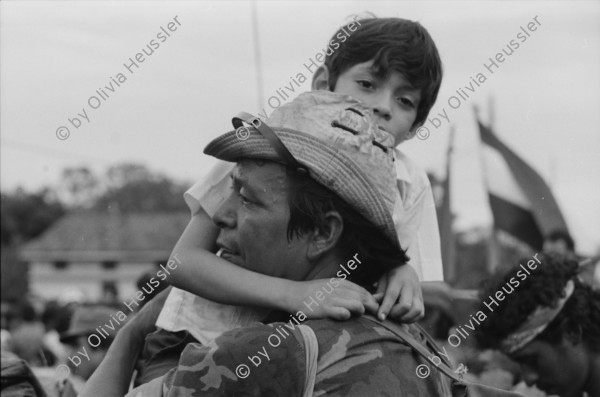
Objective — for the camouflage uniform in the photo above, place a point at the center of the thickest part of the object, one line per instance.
(356, 358)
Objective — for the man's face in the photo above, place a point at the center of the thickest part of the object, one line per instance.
(393, 100)
(253, 222)
(556, 369)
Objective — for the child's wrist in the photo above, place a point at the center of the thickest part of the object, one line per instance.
(288, 296)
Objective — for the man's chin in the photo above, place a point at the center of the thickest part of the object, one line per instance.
(553, 391)
(235, 259)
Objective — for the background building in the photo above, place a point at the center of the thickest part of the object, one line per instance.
(101, 255)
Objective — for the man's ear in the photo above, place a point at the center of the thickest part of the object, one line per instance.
(327, 237)
(320, 79)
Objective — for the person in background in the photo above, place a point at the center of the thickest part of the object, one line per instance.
(82, 355)
(85, 354)
(56, 319)
(549, 324)
(35, 376)
(17, 378)
(559, 242)
(27, 338)
(7, 323)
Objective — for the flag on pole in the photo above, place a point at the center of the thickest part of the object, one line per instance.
(445, 219)
(521, 202)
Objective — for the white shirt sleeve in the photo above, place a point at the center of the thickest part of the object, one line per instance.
(416, 220)
(210, 192)
(426, 244)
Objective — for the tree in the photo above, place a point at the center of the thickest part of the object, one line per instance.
(27, 215)
(126, 187)
(23, 217)
(81, 186)
(133, 188)
(120, 175)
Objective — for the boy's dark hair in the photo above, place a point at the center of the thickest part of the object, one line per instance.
(578, 321)
(309, 201)
(394, 45)
(557, 235)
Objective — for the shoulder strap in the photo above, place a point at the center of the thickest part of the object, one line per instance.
(418, 347)
(311, 347)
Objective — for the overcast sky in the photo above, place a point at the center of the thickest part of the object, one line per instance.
(55, 55)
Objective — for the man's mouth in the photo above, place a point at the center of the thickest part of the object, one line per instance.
(225, 251)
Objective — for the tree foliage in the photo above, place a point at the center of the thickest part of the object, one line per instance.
(23, 217)
(27, 215)
(133, 188)
(124, 188)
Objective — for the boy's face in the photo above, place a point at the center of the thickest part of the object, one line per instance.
(393, 100)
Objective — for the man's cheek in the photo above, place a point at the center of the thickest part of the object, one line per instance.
(250, 247)
(259, 256)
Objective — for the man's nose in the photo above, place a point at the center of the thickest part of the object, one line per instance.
(225, 216)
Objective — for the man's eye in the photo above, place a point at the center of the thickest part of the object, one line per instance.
(365, 83)
(244, 199)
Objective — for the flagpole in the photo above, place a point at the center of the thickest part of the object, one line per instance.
(493, 249)
(446, 218)
(257, 57)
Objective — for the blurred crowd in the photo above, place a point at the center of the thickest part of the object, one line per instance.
(543, 338)
(49, 348)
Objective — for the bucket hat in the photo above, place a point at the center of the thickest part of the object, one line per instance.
(331, 137)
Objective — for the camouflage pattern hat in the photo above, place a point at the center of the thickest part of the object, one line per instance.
(334, 139)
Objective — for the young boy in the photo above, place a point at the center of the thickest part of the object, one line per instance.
(393, 66)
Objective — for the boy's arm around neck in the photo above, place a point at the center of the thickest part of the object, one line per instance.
(201, 272)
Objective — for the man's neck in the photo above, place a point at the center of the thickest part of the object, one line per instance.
(326, 267)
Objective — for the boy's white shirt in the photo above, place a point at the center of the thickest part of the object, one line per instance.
(416, 224)
(415, 219)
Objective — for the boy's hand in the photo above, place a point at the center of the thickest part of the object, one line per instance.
(337, 299)
(401, 282)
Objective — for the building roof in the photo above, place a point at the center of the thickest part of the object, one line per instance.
(97, 237)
